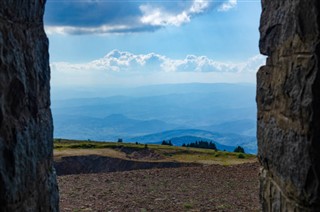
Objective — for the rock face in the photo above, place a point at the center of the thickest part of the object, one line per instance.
(288, 97)
(27, 177)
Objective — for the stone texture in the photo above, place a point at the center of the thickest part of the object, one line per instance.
(27, 177)
(288, 98)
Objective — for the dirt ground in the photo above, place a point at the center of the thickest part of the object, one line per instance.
(205, 188)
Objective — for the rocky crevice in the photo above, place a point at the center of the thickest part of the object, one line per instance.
(288, 106)
(27, 177)
(288, 97)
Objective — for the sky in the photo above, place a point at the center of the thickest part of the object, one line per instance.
(100, 43)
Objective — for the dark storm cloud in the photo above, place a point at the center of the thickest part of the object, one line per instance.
(90, 13)
(120, 16)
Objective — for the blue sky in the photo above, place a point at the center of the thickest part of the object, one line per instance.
(108, 42)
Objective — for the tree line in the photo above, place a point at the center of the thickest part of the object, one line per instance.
(164, 142)
(201, 144)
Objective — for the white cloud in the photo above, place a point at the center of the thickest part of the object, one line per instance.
(87, 30)
(125, 67)
(125, 61)
(228, 5)
(157, 16)
(199, 6)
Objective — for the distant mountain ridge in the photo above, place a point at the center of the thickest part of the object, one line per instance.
(179, 141)
(150, 90)
(146, 112)
(110, 127)
(178, 137)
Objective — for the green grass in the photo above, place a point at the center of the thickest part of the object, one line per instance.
(187, 205)
(170, 153)
(81, 144)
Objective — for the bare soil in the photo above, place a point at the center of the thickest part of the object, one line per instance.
(87, 164)
(202, 188)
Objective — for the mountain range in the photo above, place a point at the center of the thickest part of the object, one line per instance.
(223, 113)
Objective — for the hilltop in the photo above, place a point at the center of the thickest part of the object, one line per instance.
(75, 157)
(169, 178)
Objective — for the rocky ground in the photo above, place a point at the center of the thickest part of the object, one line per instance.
(204, 188)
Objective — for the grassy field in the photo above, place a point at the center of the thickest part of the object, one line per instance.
(63, 147)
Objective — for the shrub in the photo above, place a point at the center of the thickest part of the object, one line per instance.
(188, 205)
(83, 146)
(241, 156)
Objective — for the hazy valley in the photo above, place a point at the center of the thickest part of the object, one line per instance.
(223, 113)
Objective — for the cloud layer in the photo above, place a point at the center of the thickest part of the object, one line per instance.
(107, 16)
(132, 68)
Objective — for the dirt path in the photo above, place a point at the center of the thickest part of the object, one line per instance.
(208, 188)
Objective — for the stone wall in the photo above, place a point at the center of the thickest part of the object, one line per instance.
(27, 177)
(288, 97)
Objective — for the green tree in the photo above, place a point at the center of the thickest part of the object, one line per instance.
(239, 149)
(164, 142)
(201, 144)
(212, 146)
